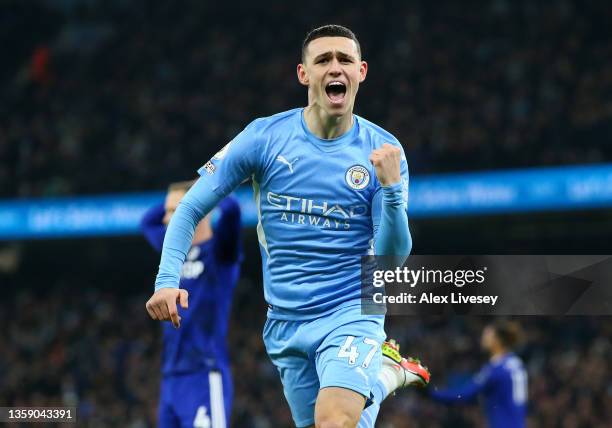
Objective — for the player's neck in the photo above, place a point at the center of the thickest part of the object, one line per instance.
(324, 125)
(498, 353)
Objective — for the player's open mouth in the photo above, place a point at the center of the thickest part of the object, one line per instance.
(335, 91)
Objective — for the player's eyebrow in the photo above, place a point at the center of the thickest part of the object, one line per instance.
(329, 54)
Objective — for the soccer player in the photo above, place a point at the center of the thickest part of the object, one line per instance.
(196, 386)
(502, 381)
(330, 187)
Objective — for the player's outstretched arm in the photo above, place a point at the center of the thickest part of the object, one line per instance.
(468, 391)
(196, 203)
(389, 216)
(238, 160)
(464, 394)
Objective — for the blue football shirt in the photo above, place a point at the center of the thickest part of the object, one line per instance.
(503, 385)
(315, 207)
(209, 274)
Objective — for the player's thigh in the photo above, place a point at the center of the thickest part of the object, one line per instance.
(297, 371)
(301, 387)
(350, 355)
(338, 407)
(199, 400)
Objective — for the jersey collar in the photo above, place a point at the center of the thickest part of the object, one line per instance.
(334, 143)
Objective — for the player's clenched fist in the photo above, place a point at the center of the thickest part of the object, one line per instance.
(386, 160)
(162, 304)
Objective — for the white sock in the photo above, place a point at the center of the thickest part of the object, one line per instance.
(390, 379)
(369, 415)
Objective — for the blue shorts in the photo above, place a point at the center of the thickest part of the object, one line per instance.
(193, 400)
(341, 349)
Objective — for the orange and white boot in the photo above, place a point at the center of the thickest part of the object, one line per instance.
(409, 371)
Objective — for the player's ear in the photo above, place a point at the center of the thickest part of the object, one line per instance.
(363, 71)
(302, 75)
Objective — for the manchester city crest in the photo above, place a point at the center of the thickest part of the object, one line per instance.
(357, 177)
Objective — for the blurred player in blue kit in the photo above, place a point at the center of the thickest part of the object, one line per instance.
(330, 187)
(196, 387)
(502, 382)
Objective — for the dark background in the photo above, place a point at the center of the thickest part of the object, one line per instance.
(116, 96)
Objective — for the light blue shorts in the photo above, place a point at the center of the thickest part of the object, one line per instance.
(341, 349)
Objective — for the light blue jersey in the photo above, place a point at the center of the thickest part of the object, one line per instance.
(314, 199)
(321, 207)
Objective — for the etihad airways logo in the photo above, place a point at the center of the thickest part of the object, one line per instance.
(316, 213)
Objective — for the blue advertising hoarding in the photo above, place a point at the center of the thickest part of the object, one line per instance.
(479, 193)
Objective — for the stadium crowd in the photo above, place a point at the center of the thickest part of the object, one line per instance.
(72, 346)
(102, 96)
(106, 96)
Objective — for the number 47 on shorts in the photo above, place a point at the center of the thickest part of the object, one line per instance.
(348, 350)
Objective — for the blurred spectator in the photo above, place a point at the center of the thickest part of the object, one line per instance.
(144, 92)
(98, 351)
(39, 68)
(131, 95)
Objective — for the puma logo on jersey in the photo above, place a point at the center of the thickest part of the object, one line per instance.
(282, 159)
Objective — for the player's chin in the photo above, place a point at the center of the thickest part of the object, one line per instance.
(338, 108)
